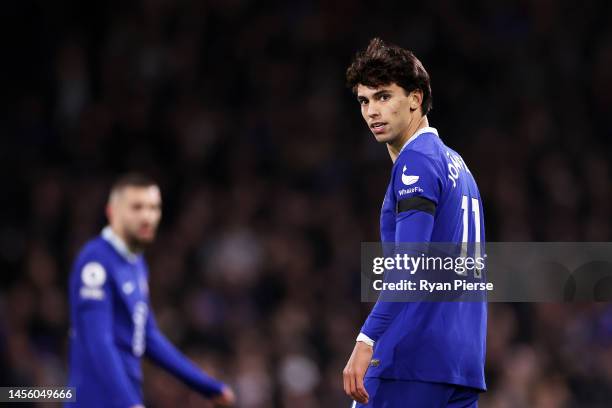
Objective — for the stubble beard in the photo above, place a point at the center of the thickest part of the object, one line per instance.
(137, 244)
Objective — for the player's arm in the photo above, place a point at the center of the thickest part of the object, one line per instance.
(413, 226)
(164, 354)
(94, 321)
(414, 223)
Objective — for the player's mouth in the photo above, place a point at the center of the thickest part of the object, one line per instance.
(146, 232)
(378, 127)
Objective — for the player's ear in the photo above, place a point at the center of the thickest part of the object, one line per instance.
(415, 99)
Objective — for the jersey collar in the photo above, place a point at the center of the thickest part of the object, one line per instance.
(116, 242)
(418, 133)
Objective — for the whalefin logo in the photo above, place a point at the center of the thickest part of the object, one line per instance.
(408, 180)
(411, 190)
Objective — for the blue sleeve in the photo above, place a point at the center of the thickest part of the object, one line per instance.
(417, 183)
(93, 303)
(413, 227)
(164, 354)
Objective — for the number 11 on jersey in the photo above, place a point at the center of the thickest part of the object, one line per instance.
(476, 225)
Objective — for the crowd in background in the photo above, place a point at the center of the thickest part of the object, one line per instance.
(271, 180)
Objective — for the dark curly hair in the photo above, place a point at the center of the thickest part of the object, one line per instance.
(383, 64)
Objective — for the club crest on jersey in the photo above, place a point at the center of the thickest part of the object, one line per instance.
(128, 287)
(408, 180)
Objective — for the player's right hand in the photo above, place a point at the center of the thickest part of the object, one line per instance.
(355, 370)
(226, 398)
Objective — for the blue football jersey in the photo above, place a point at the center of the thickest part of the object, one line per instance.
(112, 327)
(432, 197)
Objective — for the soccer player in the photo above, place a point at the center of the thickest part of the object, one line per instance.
(416, 354)
(112, 325)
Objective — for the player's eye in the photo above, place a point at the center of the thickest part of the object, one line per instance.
(363, 101)
(385, 97)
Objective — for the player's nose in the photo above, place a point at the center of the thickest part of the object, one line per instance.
(373, 111)
(148, 217)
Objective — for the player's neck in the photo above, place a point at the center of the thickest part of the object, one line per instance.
(396, 146)
(120, 236)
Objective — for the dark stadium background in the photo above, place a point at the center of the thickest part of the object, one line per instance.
(271, 180)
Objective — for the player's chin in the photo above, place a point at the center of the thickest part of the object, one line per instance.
(146, 238)
(383, 137)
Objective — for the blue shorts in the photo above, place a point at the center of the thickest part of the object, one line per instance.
(418, 394)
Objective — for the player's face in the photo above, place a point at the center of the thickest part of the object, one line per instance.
(386, 110)
(137, 211)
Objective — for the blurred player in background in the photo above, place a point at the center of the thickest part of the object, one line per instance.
(112, 324)
(416, 354)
